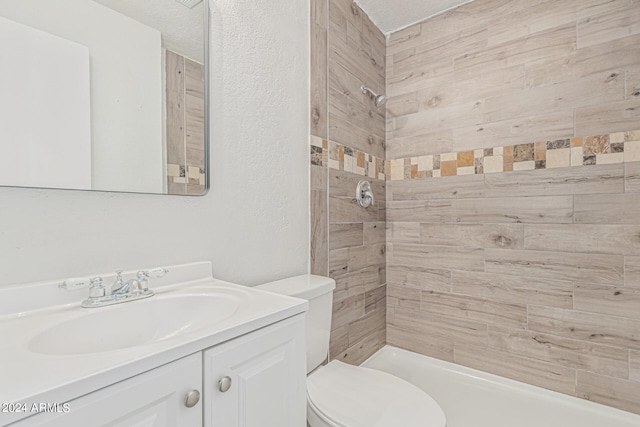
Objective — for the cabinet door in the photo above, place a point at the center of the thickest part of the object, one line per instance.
(152, 399)
(267, 369)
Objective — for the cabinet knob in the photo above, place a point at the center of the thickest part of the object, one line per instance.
(192, 399)
(224, 384)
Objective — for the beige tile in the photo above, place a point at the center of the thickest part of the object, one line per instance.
(448, 157)
(609, 26)
(498, 151)
(349, 163)
(514, 289)
(316, 141)
(586, 238)
(425, 163)
(612, 300)
(620, 208)
(524, 166)
(173, 170)
(633, 135)
(194, 172)
(605, 118)
(560, 158)
(632, 271)
(548, 375)
(585, 268)
(482, 310)
(468, 170)
(374, 232)
(319, 250)
(437, 173)
(609, 159)
(610, 391)
(419, 343)
(570, 181)
(559, 350)
(441, 329)
(596, 328)
(556, 209)
(403, 296)
(493, 164)
(439, 257)
(478, 154)
(472, 235)
(419, 277)
(576, 156)
(397, 173)
(616, 137)
(634, 365)
(345, 235)
(632, 151)
(420, 211)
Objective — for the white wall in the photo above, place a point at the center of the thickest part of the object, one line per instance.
(126, 111)
(253, 224)
(47, 81)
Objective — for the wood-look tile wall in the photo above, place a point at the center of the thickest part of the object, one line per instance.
(348, 241)
(184, 124)
(533, 275)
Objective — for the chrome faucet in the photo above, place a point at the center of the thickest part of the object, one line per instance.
(120, 291)
(120, 287)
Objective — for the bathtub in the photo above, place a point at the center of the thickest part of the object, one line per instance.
(471, 398)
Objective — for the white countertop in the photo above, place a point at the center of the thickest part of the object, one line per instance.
(29, 377)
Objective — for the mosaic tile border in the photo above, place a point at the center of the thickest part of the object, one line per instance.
(341, 157)
(178, 174)
(619, 147)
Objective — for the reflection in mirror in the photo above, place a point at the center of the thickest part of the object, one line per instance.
(104, 95)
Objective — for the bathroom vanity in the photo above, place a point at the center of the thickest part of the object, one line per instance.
(200, 352)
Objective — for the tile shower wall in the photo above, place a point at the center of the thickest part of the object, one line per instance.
(347, 145)
(185, 125)
(529, 274)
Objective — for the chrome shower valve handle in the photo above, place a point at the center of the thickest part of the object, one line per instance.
(364, 194)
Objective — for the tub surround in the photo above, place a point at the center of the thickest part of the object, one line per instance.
(512, 212)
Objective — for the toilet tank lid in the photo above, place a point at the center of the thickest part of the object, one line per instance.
(305, 286)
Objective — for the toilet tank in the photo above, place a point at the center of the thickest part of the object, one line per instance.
(318, 290)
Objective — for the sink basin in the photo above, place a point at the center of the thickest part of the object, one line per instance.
(134, 323)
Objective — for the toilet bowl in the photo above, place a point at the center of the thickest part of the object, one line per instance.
(342, 395)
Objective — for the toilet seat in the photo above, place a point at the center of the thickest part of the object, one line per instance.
(352, 396)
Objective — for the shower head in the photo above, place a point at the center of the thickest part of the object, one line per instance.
(379, 100)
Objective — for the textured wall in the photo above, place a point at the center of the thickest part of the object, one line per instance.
(529, 274)
(253, 224)
(347, 145)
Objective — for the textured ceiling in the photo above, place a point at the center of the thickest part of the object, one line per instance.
(182, 28)
(393, 15)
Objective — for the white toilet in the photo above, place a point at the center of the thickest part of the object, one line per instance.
(342, 395)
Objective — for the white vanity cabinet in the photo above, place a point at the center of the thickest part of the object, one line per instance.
(156, 398)
(258, 380)
(255, 380)
(136, 363)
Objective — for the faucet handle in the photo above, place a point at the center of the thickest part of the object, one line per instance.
(96, 290)
(74, 283)
(156, 273)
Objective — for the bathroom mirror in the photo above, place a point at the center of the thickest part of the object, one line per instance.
(107, 95)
